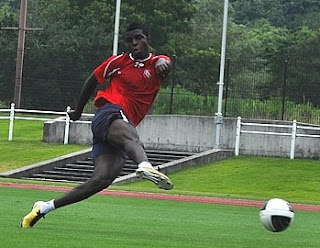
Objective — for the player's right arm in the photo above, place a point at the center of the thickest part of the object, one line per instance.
(103, 71)
(86, 92)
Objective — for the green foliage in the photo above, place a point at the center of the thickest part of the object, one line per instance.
(8, 46)
(71, 27)
(78, 35)
(167, 18)
(3, 105)
(183, 102)
(291, 14)
(189, 103)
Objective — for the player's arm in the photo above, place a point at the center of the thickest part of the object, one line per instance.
(163, 67)
(86, 92)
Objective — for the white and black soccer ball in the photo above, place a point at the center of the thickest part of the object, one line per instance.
(276, 215)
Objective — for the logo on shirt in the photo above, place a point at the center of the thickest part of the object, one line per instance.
(147, 74)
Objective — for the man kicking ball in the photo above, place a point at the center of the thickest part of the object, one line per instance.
(135, 78)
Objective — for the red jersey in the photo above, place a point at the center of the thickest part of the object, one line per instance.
(133, 85)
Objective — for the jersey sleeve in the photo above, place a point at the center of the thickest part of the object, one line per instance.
(106, 69)
(162, 57)
(168, 60)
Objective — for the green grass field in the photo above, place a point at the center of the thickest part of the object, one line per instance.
(108, 221)
(250, 177)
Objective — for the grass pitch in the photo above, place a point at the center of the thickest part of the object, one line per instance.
(107, 221)
(256, 178)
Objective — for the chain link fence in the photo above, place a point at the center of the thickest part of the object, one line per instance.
(259, 89)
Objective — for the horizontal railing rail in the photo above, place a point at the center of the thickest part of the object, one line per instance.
(292, 132)
(63, 117)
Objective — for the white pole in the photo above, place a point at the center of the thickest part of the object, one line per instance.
(293, 139)
(116, 28)
(218, 118)
(67, 127)
(238, 133)
(11, 122)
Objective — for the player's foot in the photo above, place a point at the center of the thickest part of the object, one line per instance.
(32, 218)
(147, 171)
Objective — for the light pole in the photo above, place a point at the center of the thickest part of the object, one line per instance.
(218, 117)
(116, 28)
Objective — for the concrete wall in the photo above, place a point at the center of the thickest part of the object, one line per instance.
(197, 134)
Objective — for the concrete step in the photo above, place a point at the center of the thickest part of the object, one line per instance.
(82, 170)
(44, 176)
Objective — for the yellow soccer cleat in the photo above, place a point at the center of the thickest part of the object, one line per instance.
(147, 171)
(32, 218)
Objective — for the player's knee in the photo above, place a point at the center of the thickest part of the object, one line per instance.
(100, 183)
(140, 143)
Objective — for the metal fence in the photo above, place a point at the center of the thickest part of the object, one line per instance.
(291, 131)
(258, 89)
(13, 114)
(284, 90)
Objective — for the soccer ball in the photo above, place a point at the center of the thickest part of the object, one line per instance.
(276, 215)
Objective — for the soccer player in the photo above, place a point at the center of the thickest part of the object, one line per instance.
(135, 78)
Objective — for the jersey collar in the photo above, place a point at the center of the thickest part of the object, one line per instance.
(140, 60)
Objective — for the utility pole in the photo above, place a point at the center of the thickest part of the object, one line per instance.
(20, 50)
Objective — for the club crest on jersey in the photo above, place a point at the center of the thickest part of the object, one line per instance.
(147, 74)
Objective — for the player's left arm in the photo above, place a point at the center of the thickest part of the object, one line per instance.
(163, 67)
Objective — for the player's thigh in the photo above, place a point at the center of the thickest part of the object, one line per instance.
(108, 166)
(121, 132)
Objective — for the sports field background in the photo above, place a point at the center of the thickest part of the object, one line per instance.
(108, 221)
(113, 221)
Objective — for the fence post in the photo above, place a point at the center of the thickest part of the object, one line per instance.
(67, 127)
(238, 132)
(293, 138)
(11, 122)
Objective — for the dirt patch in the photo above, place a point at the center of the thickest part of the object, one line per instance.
(159, 196)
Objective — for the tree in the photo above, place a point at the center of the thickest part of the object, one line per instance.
(78, 35)
(8, 46)
(281, 13)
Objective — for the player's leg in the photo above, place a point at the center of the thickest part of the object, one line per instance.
(124, 136)
(107, 168)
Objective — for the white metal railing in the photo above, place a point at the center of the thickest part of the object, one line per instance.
(292, 132)
(64, 117)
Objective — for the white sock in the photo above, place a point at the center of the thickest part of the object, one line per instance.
(144, 164)
(46, 207)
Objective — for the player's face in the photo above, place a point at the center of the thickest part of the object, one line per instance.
(137, 43)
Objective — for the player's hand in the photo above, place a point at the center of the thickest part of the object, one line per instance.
(162, 67)
(74, 115)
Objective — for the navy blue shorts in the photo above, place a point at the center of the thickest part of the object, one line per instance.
(101, 122)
